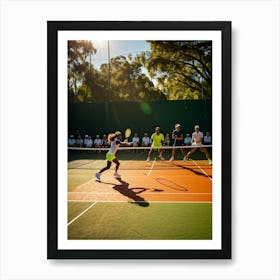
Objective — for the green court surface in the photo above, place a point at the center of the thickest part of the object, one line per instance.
(131, 220)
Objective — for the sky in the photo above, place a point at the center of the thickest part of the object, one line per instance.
(123, 47)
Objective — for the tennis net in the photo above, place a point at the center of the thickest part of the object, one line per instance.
(135, 158)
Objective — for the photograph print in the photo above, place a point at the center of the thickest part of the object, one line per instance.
(140, 158)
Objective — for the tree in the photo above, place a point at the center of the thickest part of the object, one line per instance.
(78, 65)
(124, 81)
(183, 69)
(96, 85)
(127, 81)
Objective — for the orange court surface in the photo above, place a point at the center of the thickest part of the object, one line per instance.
(177, 181)
(152, 200)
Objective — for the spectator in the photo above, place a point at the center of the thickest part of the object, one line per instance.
(188, 140)
(97, 142)
(207, 139)
(79, 141)
(166, 140)
(135, 140)
(88, 142)
(105, 143)
(71, 141)
(145, 140)
(85, 139)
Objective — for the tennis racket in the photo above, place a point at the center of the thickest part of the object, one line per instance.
(127, 133)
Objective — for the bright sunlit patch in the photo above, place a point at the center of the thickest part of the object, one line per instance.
(100, 43)
(146, 108)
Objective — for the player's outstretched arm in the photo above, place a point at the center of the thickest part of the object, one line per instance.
(125, 143)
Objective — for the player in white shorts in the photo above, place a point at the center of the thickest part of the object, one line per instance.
(197, 138)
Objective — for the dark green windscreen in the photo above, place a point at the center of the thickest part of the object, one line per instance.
(141, 117)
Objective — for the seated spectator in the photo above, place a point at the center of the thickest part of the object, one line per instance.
(207, 139)
(97, 142)
(105, 143)
(85, 139)
(71, 141)
(188, 140)
(166, 140)
(145, 140)
(88, 142)
(135, 140)
(79, 141)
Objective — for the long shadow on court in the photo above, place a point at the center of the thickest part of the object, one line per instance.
(124, 190)
(199, 173)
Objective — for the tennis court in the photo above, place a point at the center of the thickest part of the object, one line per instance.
(152, 200)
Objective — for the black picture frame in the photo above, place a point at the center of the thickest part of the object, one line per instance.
(52, 193)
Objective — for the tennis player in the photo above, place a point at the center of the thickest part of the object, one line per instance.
(115, 140)
(177, 136)
(197, 138)
(157, 140)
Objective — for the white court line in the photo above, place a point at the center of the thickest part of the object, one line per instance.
(139, 175)
(202, 170)
(151, 167)
(84, 184)
(81, 213)
(113, 201)
(109, 193)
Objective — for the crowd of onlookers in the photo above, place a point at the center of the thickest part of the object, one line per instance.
(102, 142)
(87, 141)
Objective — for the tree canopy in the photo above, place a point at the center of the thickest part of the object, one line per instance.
(183, 69)
(170, 70)
(78, 66)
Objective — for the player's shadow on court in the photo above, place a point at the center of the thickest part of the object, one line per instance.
(124, 190)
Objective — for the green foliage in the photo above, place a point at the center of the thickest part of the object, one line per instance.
(126, 82)
(183, 69)
(173, 70)
(78, 53)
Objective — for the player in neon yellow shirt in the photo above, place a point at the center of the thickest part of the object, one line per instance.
(157, 140)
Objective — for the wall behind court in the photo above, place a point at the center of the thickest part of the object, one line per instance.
(141, 117)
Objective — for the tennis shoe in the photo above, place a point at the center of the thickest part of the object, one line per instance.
(148, 159)
(97, 176)
(171, 159)
(185, 158)
(210, 162)
(160, 157)
(117, 175)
